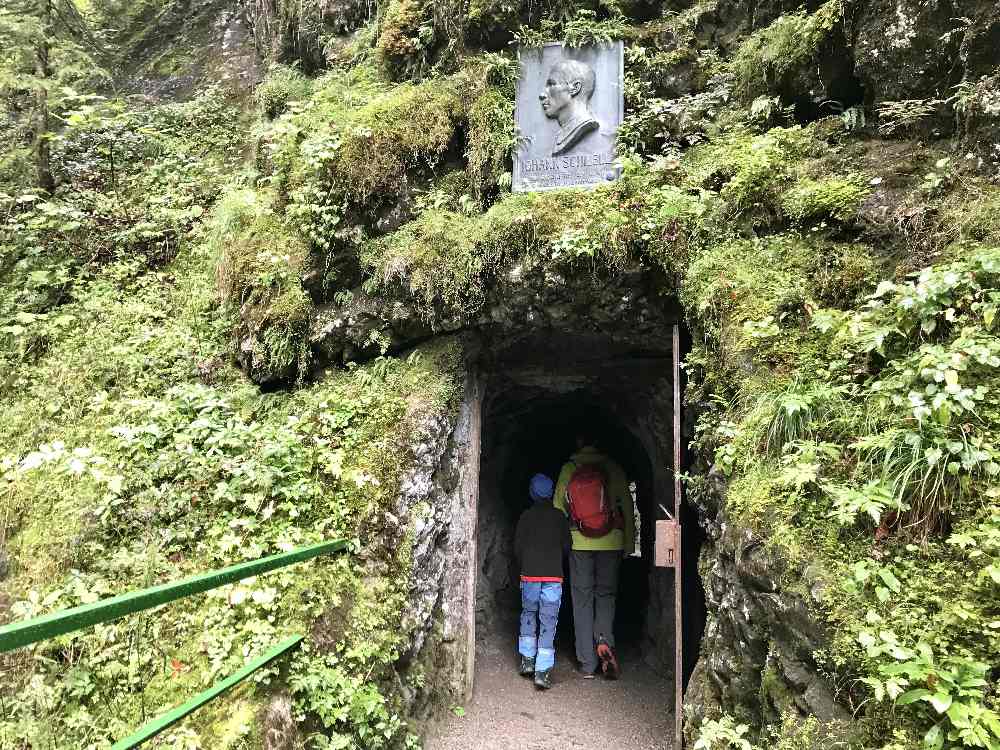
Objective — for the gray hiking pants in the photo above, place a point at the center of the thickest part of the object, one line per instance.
(594, 586)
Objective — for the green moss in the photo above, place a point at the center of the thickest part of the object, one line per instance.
(224, 473)
(446, 260)
(490, 18)
(775, 694)
(281, 86)
(772, 55)
(407, 33)
(577, 27)
(833, 198)
(754, 170)
(974, 217)
(743, 280)
(259, 269)
(490, 141)
(844, 274)
(368, 151)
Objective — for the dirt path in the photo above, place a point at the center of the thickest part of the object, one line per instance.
(507, 713)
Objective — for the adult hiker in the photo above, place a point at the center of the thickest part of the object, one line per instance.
(593, 492)
(540, 541)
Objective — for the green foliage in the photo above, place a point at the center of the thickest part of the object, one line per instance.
(719, 734)
(935, 335)
(793, 733)
(357, 147)
(172, 479)
(797, 411)
(134, 453)
(771, 56)
(47, 51)
(836, 198)
(683, 121)
(950, 696)
(417, 39)
(445, 260)
(490, 143)
(134, 185)
(902, 116)
(259, 267)
(578, 30)
(281, 86)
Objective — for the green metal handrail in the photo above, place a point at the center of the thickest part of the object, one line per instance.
(20, 634)
(58, 623)
(166, 721)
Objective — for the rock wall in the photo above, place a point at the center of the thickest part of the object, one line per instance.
(435, 514)
(757, 657)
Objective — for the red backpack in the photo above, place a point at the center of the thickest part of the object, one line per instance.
(590, 503)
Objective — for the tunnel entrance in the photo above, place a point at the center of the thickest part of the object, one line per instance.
(540, 438)
(537, 394)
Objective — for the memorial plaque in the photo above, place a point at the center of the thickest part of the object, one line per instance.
(568, 109)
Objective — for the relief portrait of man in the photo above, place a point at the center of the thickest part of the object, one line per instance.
(566, 97)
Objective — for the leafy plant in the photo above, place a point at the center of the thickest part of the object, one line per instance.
(797, 409)
(948, 693)
(716, 734)
(904, 115)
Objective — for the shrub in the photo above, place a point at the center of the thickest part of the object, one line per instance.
(281, 86)
(407, 38)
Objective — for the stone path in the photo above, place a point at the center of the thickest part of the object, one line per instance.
(507, 713)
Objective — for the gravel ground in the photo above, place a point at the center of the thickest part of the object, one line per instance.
(508, 713)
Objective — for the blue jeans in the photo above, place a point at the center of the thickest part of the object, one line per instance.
(539, 606)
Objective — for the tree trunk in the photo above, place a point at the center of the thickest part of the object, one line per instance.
(43, 72)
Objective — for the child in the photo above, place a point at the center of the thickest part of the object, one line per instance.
(541, 540)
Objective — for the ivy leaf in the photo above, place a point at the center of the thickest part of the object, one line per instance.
(959, 716)
(934, 738)
(993, 571)
(912, 696)
(940, 701)
(889, 579)
(876, 686)
(883, 288)
(894, 688)
(866, 639)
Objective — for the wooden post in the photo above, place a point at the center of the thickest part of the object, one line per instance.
(678, 580)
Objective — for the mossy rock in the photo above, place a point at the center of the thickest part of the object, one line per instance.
(259, 270)
(802, 57)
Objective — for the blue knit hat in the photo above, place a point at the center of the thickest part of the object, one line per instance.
(540, 488)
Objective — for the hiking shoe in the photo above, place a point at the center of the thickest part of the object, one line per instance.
(527, 666)
(609, 662)
(542, 679)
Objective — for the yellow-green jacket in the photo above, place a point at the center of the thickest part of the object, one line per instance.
(616, 539)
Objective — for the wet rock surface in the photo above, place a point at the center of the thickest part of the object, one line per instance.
(757, 653)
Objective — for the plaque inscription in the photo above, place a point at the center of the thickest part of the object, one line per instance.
(569, 106)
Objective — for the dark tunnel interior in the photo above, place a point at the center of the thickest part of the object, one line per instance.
(530, 423)
(545, 442)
